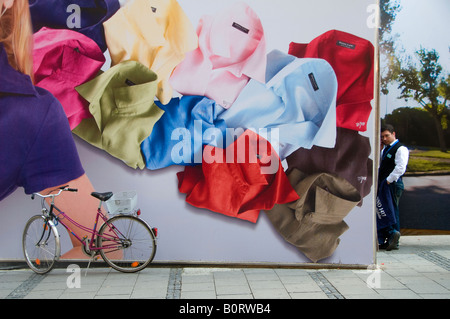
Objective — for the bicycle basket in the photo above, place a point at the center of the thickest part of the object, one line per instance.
(122, 203)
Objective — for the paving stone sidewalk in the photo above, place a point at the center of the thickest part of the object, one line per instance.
(420, 269)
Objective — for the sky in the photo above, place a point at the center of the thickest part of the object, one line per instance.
(419, 23)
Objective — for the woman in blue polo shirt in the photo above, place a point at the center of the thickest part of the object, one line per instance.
(37, 150)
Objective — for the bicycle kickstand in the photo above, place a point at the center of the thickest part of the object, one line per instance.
(94, 256)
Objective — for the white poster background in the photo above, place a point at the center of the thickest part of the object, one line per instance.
(192, 235)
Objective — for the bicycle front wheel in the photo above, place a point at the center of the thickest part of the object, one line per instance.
(40, 243)
(126, 243)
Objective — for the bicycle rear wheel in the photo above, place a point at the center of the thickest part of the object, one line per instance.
(127, 243)
(40, 243)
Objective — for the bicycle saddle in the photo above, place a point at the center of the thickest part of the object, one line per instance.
(102, 196)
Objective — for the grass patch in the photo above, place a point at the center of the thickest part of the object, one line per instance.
(432, 153)
(417, 164)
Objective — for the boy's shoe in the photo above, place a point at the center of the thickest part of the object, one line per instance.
(393, 241)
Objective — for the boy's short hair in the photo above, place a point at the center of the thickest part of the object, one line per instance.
(387, 127)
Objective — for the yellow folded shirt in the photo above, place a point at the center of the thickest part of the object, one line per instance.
(157, 33)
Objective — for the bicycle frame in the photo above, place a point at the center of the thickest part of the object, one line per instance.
(93, 231)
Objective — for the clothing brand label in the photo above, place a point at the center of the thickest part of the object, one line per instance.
(312, 79)
(240, 28)
(345, 44)
(129, 82)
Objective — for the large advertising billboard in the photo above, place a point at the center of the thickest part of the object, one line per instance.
(246, 129)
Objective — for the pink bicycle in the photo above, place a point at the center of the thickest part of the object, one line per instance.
(125, 241)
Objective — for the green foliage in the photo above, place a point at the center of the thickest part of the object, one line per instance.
(419, 77)
(390, 64)
(415, 127)
(424, 82)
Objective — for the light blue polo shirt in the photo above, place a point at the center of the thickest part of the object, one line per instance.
(298, 99)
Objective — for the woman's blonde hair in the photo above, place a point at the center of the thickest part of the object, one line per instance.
(17, 36)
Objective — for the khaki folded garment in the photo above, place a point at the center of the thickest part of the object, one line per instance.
(314, 222)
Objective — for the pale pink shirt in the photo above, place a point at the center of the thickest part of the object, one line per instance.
(231, 50)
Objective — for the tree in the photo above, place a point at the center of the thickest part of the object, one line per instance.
(425, 84)
(412, 127)
(387, 44)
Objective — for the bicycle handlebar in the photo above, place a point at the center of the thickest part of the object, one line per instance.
(61, 189)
